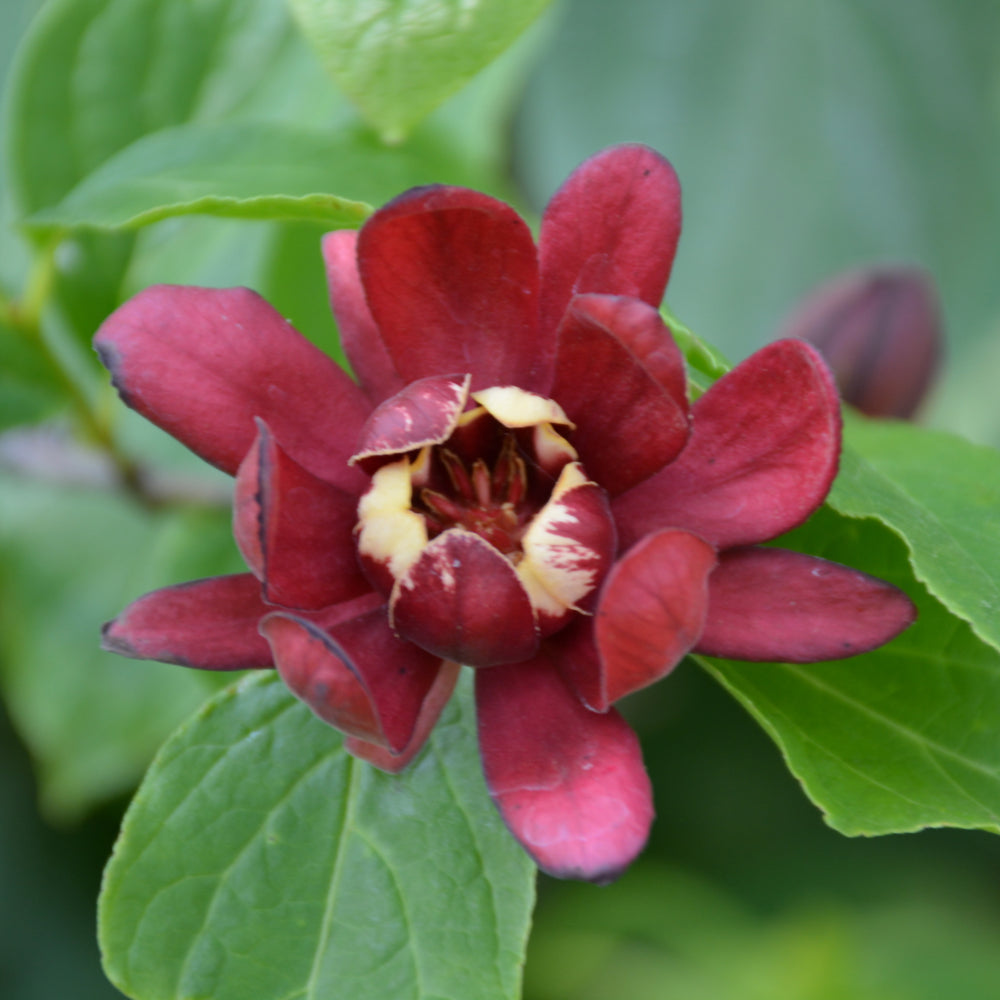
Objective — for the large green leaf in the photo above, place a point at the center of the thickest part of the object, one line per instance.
(260, 860)
(237, 170)
(895, 740)
(95, 75)
(246, 170)
(941, 494)
(399, 59)
(69, 560)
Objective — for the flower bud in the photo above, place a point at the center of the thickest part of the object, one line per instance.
(880, 330)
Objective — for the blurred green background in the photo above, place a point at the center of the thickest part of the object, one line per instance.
(810, 137)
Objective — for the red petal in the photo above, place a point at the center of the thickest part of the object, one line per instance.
(203, 362)
(761, 457)
(452, 282)
(627, 425)
(771, 604)
(462, 600)
(652, 610)
(359, 335)
(612, 227)
(352, 671)
(569, 783)
(295, 531)
(430, 712)
(210, 624)
(425, 412)
(641, 329)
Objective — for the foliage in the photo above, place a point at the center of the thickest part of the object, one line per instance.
(138, 148)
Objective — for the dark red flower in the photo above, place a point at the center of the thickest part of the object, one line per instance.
(516, 482)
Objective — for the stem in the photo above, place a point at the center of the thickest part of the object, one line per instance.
(25, 317)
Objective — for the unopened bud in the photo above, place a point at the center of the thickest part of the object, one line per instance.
(880, 330)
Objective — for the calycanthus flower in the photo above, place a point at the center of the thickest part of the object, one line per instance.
(515, 482)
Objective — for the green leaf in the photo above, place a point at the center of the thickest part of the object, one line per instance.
(399, 59)
(705, 364)
(895, 740)
(70, 559)
(260, 860)
(941, 494)
(94, 75)
(234, 170)
(243, 170)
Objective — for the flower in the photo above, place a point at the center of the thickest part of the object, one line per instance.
(515, 482)
(879, 329)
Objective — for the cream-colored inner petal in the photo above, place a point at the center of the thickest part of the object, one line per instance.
(557, 570)
(515, 407)
(389, 532)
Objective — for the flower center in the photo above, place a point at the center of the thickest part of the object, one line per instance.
(448, 477)
(487, 501)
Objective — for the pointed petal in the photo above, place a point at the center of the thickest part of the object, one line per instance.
(203, 362)
(652, 610)
(627, 425)
(451, 278)
(430, 712)
(772, 604)
(762, 455)
(295, 530)
(569, 783)
(613, 228)
(350, 669)
(423, 413)
(359, 335)
(209, 624)
(462, 600)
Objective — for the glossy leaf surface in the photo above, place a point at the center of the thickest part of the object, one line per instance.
(897, 739)
(399, 60)
(941, 494)
(260, 859)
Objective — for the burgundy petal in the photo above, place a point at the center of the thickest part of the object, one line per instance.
(569, 783)
(423, 413)
(430, 712)
(612, 227)
(651, 613)
(359, 335)
(350, 669)
(772, 604)
(641, 329)
(463, 601)
(627, 425)
(761, 457)
(295, 530)
(210, 624)
(451, 277)
(203, 362)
